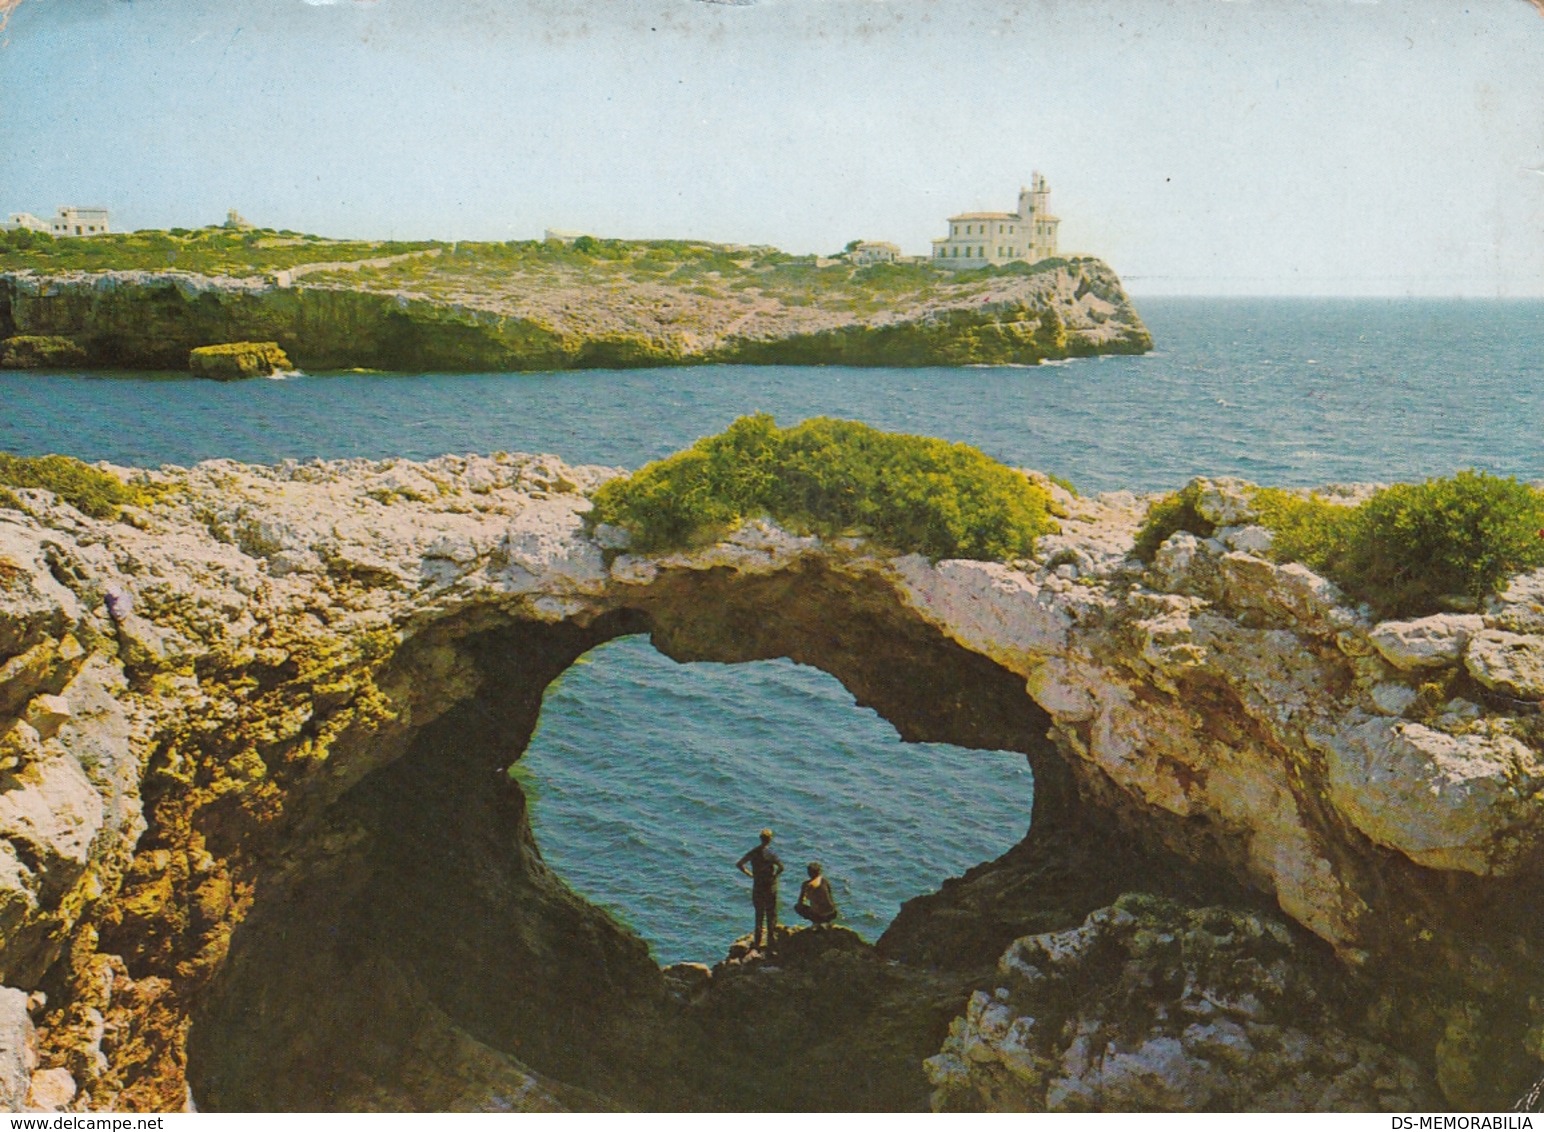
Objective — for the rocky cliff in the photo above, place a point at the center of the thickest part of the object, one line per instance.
(557, 320)
(258, 848)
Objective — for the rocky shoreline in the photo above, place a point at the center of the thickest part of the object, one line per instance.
(258, 849)
(341, 320)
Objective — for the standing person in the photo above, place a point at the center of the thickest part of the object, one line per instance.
(816, 904)
(765, 868)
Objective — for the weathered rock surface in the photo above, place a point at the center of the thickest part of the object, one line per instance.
(18, 1056)
(1147, 1005)
(1510, 663)
(232, 361)
(32, 351)
(1429, 642)
(548, 320)
(50, 1090)
(252, 744)
(1446, 801)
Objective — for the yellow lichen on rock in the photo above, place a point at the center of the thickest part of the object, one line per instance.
(234, 360)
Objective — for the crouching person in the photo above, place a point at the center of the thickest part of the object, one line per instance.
(816, 904)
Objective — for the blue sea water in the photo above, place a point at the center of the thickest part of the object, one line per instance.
(651, 778)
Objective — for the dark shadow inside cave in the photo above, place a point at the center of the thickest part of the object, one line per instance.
(408, 947)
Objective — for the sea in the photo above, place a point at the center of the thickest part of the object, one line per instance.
(648, 778)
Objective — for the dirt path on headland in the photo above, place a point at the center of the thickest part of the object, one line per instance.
(287, 277)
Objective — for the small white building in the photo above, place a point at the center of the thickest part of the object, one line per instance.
(72, 220)
(979, 239)
(25, 220)
(874, 251)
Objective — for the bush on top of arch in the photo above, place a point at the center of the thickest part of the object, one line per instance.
(832, 477)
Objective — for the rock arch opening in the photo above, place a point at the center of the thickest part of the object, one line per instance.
(409, 946)
(645, 776)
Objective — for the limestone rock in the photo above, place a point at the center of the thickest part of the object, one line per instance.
(1508, 663)
(1452, 802)
(51, 1090)
(1393, 699)
(52, 808)
(1519, 608)
(40, 351)
(1092, 1024)
(687, 982)
(1177, 562)
(1247, 539)
(1286, 589)
(1225, 500)
(1427, 642)
(46, 713)
(272, 638)
(17, 1055)
(985, 605)
(20, 743)
(233, 360)
(39, 670)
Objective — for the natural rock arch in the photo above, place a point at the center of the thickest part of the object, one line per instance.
(439, 901)
(246, 724)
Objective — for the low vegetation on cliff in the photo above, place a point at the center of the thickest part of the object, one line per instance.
(89, 490)
(546, 305)
(832, 477)
(720, 271)
(1407, 550)
(208, 251)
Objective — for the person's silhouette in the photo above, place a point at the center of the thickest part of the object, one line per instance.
(765, 868)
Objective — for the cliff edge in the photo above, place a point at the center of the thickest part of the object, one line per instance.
(544, 308)
(258, 847)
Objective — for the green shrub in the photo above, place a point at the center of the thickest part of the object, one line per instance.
(1410, 546)
(1174, 512)
(828, 476)
(1310, 529)
(89, 490)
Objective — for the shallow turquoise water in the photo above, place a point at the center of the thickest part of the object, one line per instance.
(652, 778)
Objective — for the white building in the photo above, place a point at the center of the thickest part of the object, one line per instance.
(72, 220)
(25, 220)
(874, 251)
(977, 239)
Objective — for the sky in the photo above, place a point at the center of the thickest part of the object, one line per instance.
(1319, 147)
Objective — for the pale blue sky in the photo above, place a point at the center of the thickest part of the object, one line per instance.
(1201, 146)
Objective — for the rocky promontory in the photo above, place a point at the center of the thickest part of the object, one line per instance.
(258, 849)
(551, 308)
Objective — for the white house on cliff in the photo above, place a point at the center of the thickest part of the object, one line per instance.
(70, 220)
(977, 239)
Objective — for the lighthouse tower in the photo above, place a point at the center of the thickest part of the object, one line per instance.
(1035, 210)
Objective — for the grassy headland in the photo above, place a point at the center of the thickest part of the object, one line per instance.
(205, 251)
(147, 298)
